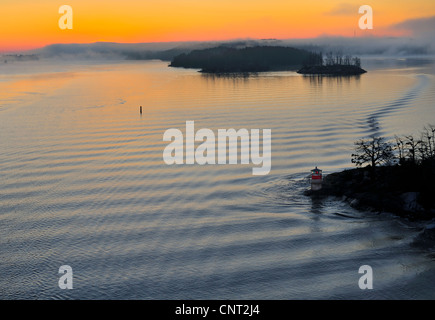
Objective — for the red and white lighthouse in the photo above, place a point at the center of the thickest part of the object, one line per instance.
(316, 179)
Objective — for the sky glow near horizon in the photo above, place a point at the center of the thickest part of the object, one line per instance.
(29, 24)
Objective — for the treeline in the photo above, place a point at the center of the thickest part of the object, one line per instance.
(331, 59)
(416, 150)
(405, 150)
(249, 59)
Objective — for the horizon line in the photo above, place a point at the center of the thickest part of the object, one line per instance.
(325, 36)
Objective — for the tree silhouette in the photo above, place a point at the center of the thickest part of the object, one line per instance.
(374, 152)
(412, 147)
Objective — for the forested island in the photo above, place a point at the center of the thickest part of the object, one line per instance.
(226, 59)
(399, 177)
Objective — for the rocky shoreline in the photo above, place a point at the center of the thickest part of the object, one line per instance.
(406, 191)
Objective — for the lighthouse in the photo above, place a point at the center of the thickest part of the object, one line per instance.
(316, 179)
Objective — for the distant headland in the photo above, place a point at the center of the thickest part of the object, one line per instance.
(224, 59)
(18, 57)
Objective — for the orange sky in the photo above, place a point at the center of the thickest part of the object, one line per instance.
(29, 24)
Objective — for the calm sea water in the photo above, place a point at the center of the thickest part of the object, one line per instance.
(83, 183)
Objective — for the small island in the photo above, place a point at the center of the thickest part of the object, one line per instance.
(399, 177)
(334, 65)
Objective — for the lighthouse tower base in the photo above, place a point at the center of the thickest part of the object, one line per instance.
(316, 186)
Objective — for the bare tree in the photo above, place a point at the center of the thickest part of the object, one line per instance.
(347, 60)
(329, 60)
(339, 58)
(401, 148)
(356, 62)
(374, 152)
(412, 147)
(428, 136)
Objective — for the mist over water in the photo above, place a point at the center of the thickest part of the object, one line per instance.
(83, 183)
